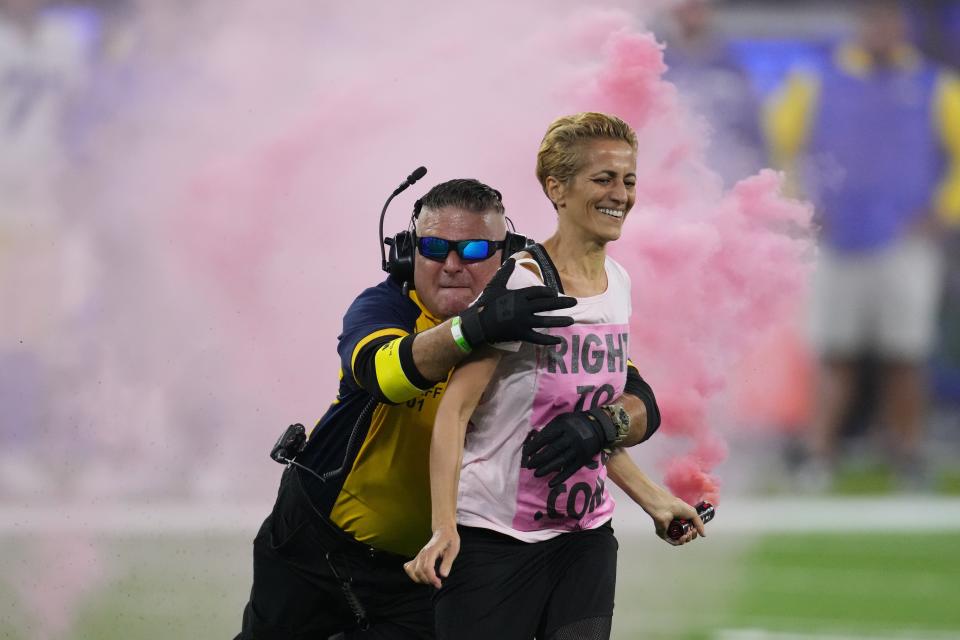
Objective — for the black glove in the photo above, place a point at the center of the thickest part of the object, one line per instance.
(568, 442)
(502, 315)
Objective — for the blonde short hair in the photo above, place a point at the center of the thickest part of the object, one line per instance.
(560, 151)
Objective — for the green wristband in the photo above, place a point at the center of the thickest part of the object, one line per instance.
(457, 332)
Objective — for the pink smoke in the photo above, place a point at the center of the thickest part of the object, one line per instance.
(234, 209)
(713, 272)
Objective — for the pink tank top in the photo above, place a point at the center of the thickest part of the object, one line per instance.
(533, 384)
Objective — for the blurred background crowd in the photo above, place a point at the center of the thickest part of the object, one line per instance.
(855, 100)
(859, 103)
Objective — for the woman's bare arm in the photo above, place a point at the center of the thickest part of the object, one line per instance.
(464, 390)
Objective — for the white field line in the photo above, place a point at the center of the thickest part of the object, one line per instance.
(155, 518)
(917, 514)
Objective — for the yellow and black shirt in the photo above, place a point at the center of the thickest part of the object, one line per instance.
(373, 443)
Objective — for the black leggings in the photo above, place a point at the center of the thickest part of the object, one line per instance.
(502, 588)
(587, 629)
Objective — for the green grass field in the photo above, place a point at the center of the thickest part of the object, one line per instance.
(874, 583)
(826, 585)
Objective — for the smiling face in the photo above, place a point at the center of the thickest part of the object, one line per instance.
(594, 202)
(447, 288)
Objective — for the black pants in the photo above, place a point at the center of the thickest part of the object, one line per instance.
(300, 561)
(502, 588)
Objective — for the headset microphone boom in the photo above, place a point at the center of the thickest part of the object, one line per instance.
(415, 175)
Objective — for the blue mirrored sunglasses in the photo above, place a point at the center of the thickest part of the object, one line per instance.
(469, 250)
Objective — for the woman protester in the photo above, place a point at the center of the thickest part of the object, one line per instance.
(535, 556)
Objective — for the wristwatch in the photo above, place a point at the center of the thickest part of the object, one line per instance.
(621, 420)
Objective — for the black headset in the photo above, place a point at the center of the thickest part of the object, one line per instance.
(403, 246)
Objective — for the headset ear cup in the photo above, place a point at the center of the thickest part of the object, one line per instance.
(400, 262)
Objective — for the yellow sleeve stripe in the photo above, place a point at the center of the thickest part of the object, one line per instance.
(393, 383)
(392, 331)
(787, 119)
(947, 117)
